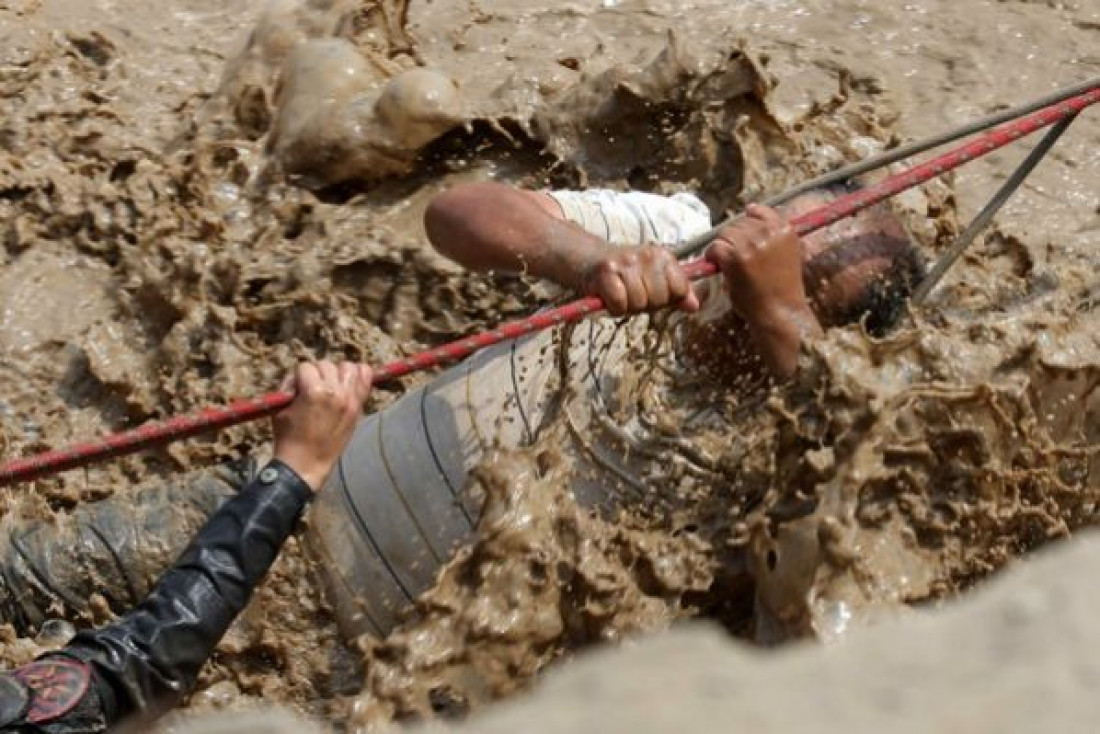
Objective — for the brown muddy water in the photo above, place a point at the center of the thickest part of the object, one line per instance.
(193, 194)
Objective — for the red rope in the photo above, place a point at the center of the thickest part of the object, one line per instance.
(243, 411)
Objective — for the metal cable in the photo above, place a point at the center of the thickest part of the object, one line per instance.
(985, 216)
(692, 246)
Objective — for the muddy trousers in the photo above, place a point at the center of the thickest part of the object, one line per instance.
(111, 551)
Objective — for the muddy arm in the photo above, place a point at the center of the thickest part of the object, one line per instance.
(760, 258)
(494, 227)
(151, 657)
(778, 333)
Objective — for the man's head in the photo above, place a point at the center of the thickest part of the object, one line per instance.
(861, 268)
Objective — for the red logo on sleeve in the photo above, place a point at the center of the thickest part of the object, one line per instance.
(57, 685)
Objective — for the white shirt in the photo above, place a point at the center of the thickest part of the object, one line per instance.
(634, 218)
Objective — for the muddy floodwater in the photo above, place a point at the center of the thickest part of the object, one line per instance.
(195, 194)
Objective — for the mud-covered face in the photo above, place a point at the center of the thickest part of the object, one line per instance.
(863, 266)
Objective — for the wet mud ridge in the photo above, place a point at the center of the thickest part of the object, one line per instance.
(193, 198)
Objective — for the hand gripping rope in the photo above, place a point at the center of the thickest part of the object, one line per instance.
(1058, 110)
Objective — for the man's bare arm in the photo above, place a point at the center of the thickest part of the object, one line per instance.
(494, 227)
(760, 258)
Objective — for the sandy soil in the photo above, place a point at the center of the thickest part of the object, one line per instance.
(192, 195)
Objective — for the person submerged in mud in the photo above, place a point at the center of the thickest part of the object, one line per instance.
(402, 500)
(398, 503)
(782, 289)
(150, 657)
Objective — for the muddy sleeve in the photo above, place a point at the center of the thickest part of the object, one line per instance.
(151, 656)
(634, 217)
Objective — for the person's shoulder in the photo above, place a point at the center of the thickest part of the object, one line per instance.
(607, 194)
(683, 203)
(634, 217)
(591, 196)
(637, 200)
(693, 202)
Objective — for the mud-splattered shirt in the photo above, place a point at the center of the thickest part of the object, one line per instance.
(634, 218)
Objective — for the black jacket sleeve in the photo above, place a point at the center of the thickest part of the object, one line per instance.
(151, 656)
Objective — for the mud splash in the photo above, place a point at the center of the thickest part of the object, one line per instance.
(183, 264)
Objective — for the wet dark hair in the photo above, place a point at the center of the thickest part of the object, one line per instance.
(882, 301)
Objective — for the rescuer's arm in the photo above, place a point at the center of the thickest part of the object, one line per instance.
(151, 656)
